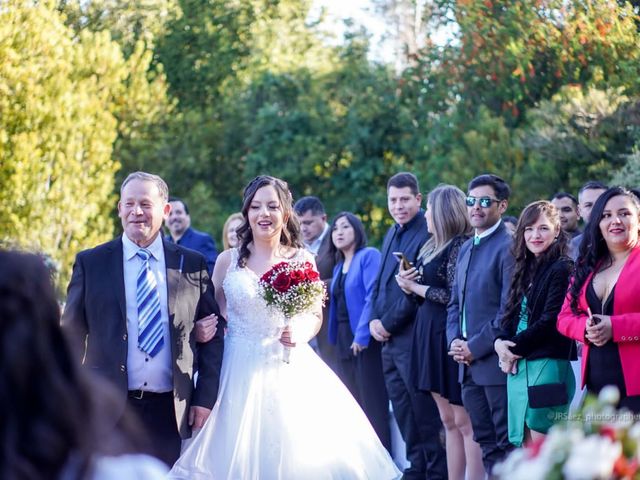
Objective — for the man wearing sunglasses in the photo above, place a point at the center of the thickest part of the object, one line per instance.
(479, 293)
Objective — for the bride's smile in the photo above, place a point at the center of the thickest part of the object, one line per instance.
(265, 214)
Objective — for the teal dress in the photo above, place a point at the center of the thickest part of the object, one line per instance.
(540, 371)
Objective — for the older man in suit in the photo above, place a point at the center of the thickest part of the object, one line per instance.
(132, 304)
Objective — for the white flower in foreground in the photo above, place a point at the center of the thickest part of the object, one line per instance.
(609, 395)
(593, 458)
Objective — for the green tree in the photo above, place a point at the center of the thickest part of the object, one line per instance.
(56, 131)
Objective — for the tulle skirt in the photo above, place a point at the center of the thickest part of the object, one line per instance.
(277, 420)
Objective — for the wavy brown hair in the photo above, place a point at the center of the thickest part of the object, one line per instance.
(526, 263)
(290, 235)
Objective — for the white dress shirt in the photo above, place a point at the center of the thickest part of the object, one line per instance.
(152, 374)
(314, 246)
(488, 231)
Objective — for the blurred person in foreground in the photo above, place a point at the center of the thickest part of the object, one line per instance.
(602, 308)
(58, 422)
(428, 285)
(530, 349)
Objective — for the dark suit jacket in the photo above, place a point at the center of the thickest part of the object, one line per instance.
(396, 315)
(200, 242)
(541, 339)
(94, 319)
(489, 272)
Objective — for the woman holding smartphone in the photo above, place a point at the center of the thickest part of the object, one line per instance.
(602, 309)
(359, 364)
(429, 285)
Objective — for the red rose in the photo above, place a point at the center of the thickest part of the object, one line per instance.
(297, 276)
(312, 275)
(282, 282)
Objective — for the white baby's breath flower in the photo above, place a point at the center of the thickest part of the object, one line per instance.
(609, 395)
(592, 459)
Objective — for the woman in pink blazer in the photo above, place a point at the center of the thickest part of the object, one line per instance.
(602, 307)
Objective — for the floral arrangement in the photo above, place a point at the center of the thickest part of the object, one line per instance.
(596, 442)
(293, 288)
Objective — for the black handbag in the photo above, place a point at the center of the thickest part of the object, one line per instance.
(547, 395)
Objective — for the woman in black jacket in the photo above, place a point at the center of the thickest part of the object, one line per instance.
(530, 348)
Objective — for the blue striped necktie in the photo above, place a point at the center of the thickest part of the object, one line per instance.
(150, 334)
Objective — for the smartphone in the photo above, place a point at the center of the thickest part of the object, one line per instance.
(406, 264)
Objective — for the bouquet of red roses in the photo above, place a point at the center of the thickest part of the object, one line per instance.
(292, 288)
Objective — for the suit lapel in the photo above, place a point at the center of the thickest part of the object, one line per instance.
(116, 269)
(174, 261)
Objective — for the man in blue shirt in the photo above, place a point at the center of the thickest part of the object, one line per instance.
(179, 225)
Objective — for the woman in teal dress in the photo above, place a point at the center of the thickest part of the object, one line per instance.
(530, 349)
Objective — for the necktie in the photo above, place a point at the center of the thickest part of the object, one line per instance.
(150, 335)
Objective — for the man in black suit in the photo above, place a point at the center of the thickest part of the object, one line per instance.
(317, 239)
(478, 296)
(415, 411)
(135, 278)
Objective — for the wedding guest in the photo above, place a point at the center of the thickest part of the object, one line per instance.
(415, 412)
(510, 223)
(531, 351)
(229, 235)
(602, 308)
(429, 286)
(57, 421)
(587, 196)
(359, 361)
(478, 296)
(181, 233)
(567, 205)
(316, 237)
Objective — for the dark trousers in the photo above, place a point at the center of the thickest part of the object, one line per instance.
(487, 408)
(157, 415)
(417, 416)
(362, 375)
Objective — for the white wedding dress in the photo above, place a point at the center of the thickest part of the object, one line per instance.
(275, 420)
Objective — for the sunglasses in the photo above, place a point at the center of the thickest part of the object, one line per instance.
(485, 202)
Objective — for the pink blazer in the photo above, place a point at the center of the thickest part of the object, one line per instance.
(625, 322)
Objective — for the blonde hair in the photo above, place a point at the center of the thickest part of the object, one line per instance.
(450, 219)
(225, 229)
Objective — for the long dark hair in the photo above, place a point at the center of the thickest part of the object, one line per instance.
(290, 235)
(51, 421)
(360, 237)
(526, 263)
(593, 247)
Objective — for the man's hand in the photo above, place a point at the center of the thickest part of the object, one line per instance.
(206, 328)
(378, 331)
(198, 415)
(460, 352)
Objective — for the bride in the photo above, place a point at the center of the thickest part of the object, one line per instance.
(276, 420)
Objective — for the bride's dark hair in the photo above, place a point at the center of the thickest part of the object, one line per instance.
(290, 235)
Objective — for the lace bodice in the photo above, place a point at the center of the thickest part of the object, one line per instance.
(248, 315)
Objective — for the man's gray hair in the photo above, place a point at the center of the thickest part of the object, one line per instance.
(148, 177)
